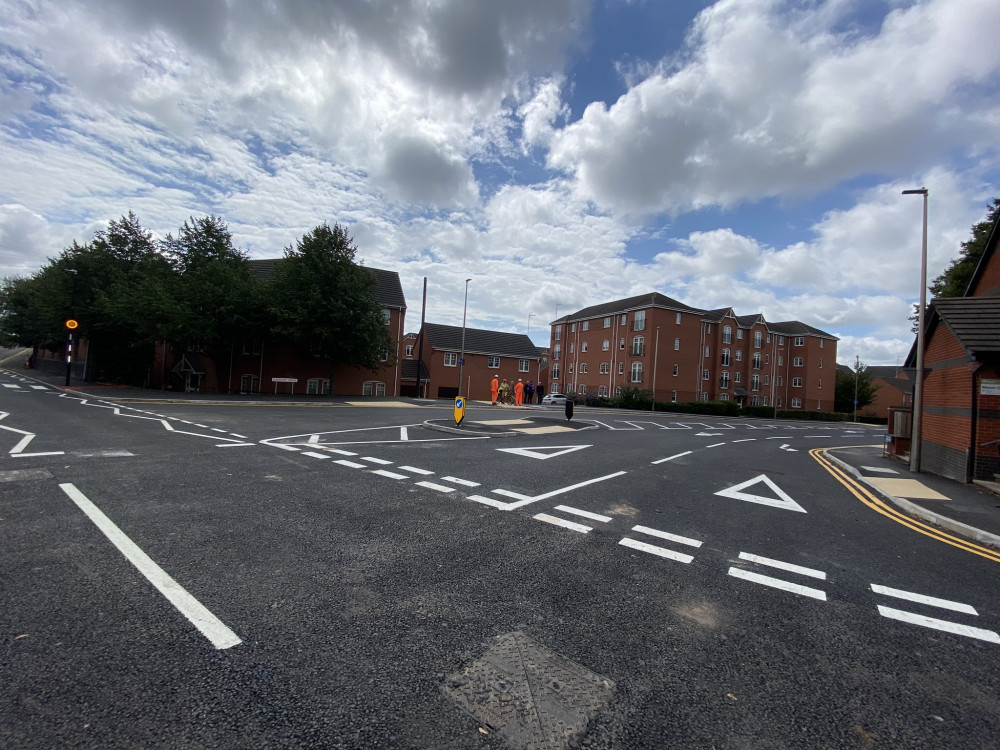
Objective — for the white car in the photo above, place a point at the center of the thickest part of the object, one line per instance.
(554, 399)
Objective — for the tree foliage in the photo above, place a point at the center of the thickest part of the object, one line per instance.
(325, 302)
(861, 379)
(954, 280)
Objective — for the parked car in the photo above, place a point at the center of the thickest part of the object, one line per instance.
(556, 399)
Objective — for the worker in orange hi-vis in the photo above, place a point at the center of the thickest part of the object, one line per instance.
(495, 388)
(519, 393)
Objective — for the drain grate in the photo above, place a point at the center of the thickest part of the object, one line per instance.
(532, 696)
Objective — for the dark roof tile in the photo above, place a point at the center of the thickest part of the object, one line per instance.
(478, 341)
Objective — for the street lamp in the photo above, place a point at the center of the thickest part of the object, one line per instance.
(530, 316)
(461, 358)
(656, 352)
(918, 390)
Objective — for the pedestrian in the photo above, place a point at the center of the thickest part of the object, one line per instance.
(495, 388)
(504, 392)
(518, 393)
(540, 390)
(529, 392)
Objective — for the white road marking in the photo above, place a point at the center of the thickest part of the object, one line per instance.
(233, 445)
(786, 503)
(11, 385)
(340, 452)
(284, 447)
(208, 624)
(15, 452)
(745, 440)
(491, 502)
(39, 387)
(922, 599)
(666, 535)
(389, 474)
(714, 445)
(671, 458)
(216, 429)
(791, 567)
(945, 625)
(540, 453)
(584, 513)
(777, 583)
(241, 437)
(379, 461)
(527, 500)
(438, 487)
(311, 454)
(879, 470)
(463, 482)
(562, 522)
(350, 464)
(102, 454)
(658, 551)
(415, 470)
(202, 426)
(780, 437)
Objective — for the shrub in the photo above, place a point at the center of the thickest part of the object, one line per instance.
(631, 398)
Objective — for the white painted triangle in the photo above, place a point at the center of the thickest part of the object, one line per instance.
(785, 502)
(543, 452)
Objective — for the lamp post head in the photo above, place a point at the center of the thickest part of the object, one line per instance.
(918, 191)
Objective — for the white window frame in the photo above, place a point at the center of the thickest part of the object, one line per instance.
(523, 365)
(636, 373)
(451, 359)
(493, 361)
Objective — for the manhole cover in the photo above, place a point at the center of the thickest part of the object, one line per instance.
(534, 697)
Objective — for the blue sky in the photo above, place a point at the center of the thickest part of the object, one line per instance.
(744, 153)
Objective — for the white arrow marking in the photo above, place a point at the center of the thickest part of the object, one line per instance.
(558, 450)
(786, 503)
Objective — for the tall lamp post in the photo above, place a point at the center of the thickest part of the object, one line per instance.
(461, 357)
(918, 390)
(530, 316)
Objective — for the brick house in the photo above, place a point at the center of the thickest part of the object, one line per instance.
(960, 419)
(271, 366)
(511, 355)
(680, 353)
(895, 388)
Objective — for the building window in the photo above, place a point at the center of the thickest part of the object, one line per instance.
(796, 403)
(605, 368)
(708, 328)
(796, 382)
(738, 377)
(723, 396)
(704, 374)
(249, 384)
(621, 344)
(800, 341)
(797, 362)
(779, 381)
(450, 359)
(821, 361)
(253, 346)
(558, 333)
(819, 383)
(739, 355)
(602, 391)
(725, 358)
(704, 396)
(739, 333)
(767, 359)
(754, 400)
(624, 318)
(708, 351)
(621, 368)
(373, 388)
(778, 402)
(727, 334)
(757, 339)
(639, 322)
(637, 372)
(581, 388)
(523, 365)
(678, 319)
(409, 350)
(586, 325)
(767, 381)
(781, 342)
(583, 367)
(572, 327)
(317, 386)
(676, 369)
(386, 315)
(557, 352)
(493, 362)
(607, 322)
(821, 343)
(677, 345)
(673, 397)
(755, 382)
(638, 346)
(768, 340)
(756, 360)
(724, 382)
(583, 346)
(570, 368)
(781, 360)
(555, 372)
(383, 354)
(572, 347)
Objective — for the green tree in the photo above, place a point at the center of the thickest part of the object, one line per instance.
(860, 377)
(325, 302)
(954, 280)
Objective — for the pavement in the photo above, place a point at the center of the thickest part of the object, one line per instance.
(969, 510)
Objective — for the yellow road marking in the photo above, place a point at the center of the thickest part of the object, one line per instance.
(878, 506)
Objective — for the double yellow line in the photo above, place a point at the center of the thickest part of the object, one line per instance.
(873, 502)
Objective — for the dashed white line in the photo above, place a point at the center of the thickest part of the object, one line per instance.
(584, 513)
(745, 440)
(241, 437)
(379, 461)
(666, 535)
(415, 470)
(562, 522)
(658, 551)
(233, 445)
(791, 567)
(311, 454)
(463, 482)
(216, 429)
(389, 474)
(923, 599)
(208, 624)
(349, 464)
(714, 445)
(438, 487)
(284, 447)
(340, 452)
(671, 458)
(777, 583)
(944, 625)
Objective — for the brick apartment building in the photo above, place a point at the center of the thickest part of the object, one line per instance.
(680, 353)
(487, 353)
(960, 421)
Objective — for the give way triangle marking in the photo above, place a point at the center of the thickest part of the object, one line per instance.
(782, 501)
(543, 452)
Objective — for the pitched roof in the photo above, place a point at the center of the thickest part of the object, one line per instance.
(795, 328)
(409, 370)
(388, 289)
(478, 341)
(974, 321)
(716, 316)
(654, 299)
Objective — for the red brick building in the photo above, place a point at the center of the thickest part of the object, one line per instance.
(960, 430)
(680, 353)
(487, 353)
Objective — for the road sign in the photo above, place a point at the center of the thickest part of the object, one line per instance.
(72, 324)
(785, 502)
(459, 410)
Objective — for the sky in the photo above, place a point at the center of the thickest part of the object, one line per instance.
(559, 154)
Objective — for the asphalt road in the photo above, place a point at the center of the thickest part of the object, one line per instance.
(339, 576)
